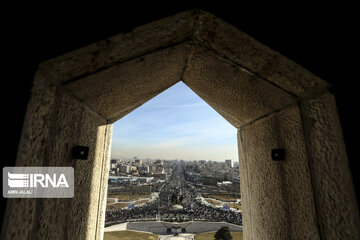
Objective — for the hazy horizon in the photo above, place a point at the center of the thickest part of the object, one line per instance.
(176, 124)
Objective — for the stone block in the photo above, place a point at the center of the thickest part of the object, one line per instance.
(115, 92)
(333, 186)
(226, 87)
(280, 196)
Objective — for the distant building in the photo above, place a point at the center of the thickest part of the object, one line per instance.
(236, 164)
(160, 162)
(122, 180)
(158, 169)
(202, 162)
(229, 163)
(224, 183)
(159, 175)
(220, 173)
(125, 169)
(113, 163)
(138, 161)
(193, 177)
(132, 169)
(209, 180)
(144, 169)
(213, 165)
(237, 180)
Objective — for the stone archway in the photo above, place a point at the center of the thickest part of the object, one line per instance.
(273, 102)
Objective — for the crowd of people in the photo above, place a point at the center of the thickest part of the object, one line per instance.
(160, 209)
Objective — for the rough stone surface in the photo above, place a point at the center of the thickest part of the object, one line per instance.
(118, 90)
(37, 122)
(334, 191)
(122, 47)
(228, 41)
(66, 132)
(104, 182)
(56, 122)
(31, 149)
(280, 192)
(19, 219)
(84, 208)
(226, 88)
(244, 187)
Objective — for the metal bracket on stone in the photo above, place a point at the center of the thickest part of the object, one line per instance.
(278, 154)
(80, 152)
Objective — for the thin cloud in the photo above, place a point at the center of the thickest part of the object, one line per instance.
(175, 124)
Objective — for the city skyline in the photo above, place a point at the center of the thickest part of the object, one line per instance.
(176, 124)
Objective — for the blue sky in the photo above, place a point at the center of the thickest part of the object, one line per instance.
(175, 124)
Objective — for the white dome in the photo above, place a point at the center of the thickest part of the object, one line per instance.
(177, 207)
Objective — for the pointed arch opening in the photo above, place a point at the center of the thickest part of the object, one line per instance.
(273, 102)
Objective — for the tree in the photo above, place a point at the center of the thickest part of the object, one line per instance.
(223, 234)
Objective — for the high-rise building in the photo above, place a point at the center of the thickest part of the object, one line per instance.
(228, 162)
(113, 163)
(144, 169)
(125, 168)
(138, 161)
